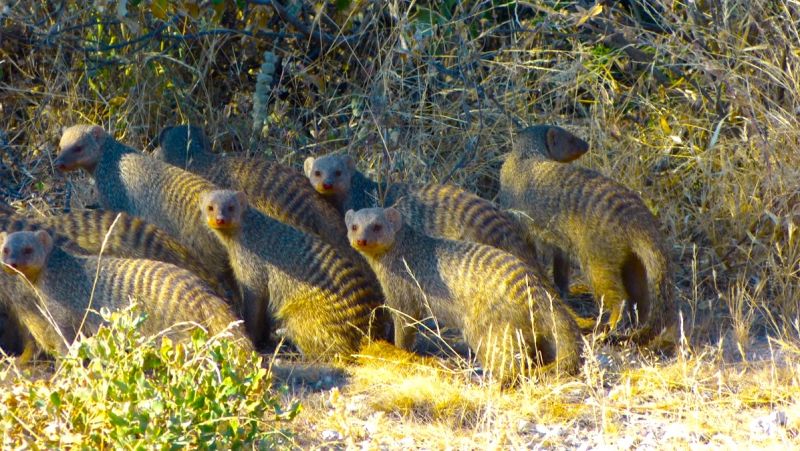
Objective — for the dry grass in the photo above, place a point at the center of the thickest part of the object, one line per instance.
(702, 121)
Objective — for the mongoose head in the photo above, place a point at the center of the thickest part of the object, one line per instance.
(26, 252)
(180, 144)
(331, 174)
(81, 147)
(372, 231)
(551, 142)
(223, 208)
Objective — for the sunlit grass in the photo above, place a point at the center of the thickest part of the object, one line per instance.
(712, 149)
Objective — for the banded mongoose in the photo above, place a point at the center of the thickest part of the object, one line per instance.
(606, 226)
(84, 232)
(496, 300)
(74, 288)
(444, 211)
(323, 299)
(276, 190)
(142, 186)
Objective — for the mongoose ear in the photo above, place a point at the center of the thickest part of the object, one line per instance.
(349, 162)
(241, 197)
(563, 146)
(394, 217)
(163, 133)
(204, 199)
(348, 217)
(308, 165)
(3, 236)
(45, 239)
(97, 132)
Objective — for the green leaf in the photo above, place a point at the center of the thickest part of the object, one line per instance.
(55, 399)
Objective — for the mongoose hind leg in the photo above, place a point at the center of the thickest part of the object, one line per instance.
(609, 291)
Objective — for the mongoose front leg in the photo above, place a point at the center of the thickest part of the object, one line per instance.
(404, 333)
(29, 350)
(561, 271)
(254, 313)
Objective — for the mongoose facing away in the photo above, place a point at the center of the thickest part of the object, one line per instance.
(74, 288)
(276, 190)
(444, 211)
(323, 299)
(142, 186)
(492, 296)
(606, 226)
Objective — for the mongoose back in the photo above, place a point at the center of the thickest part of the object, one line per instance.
(142, 186)
(130, 237)
(444, 211)
(276, 190)
(606, 226)
(324, 299)
(495, 299)
(74, 288)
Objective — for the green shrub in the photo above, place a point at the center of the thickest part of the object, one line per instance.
(119, 389)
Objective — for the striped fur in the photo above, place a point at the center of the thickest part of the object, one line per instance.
(491, 295)
(83, 232)
(324, 299)
(276, 190)
(70, 284)
(444, 211)
(142, 186)
(447, 211)
(606, 226)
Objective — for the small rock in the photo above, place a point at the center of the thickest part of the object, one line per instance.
(769, 424)
(331, 435)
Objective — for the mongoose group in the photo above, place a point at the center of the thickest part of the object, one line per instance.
(328, 255)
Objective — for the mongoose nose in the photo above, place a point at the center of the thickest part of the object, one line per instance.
(220, 221)
(327, 186)
(361, 242)
(60, 165)
(14, 265)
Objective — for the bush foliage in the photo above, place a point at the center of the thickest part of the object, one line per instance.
(118, 389)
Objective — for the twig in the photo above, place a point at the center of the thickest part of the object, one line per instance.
(304, 29)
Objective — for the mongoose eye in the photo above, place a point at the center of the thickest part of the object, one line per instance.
(353, 227)
(317, 174)
(27, 251)
(77, 149)
(377, 228)
(338, 173)
(231, 208)
(5, 251)
(210, 208)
